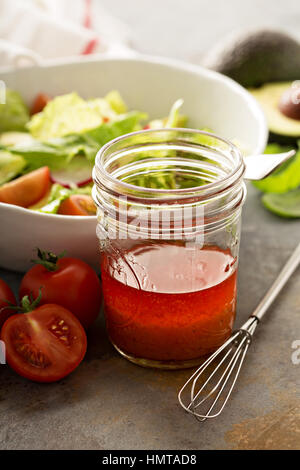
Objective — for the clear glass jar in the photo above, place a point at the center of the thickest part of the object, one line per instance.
(169, 208)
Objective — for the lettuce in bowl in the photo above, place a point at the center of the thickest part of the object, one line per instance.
(14, 114)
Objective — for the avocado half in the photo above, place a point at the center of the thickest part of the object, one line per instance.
(282, 129)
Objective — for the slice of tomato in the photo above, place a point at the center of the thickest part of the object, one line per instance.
(6, 297)
(78, 204)
(28, 189)
(39, 103)
(44, 345)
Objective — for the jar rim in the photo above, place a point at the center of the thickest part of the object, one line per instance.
(111, 182)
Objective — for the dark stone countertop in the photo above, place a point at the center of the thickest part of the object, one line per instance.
(108, 403)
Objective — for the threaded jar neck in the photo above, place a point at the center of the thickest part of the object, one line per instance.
(169, 171)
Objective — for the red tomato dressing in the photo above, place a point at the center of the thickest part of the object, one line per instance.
(167, 302)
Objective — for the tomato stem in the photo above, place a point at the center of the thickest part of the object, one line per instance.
(48, 259)
(27, 304)
(9, 305)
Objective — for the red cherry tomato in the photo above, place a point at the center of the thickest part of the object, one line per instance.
(6, 298)
(39, 103)
(45, 344)
(69, 282)
(28, 189)
(78, 204)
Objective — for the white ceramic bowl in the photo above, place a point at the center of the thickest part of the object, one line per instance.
(147, 84)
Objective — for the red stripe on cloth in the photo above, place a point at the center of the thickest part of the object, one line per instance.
(89, 48)
(87, 21)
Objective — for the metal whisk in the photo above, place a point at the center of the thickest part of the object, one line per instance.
(207, 391)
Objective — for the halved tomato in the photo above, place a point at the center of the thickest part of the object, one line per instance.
(78, 204)
(27, 189)
(44, 345)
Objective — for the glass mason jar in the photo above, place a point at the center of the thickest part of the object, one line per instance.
(169, 206)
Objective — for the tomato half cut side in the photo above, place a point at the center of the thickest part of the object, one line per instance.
(44, 345)
(78, 204)
(27, 189)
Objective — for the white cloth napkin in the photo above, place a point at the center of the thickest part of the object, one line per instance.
(42, 30)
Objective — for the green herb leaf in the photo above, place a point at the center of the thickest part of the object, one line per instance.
(284, 205)
(285, 178)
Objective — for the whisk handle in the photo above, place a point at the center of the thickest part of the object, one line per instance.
(278, 284)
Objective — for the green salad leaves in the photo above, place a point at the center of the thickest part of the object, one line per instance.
(10, 166)
(66, 136)
(14, 114)
(57, 152)
(281, 194)
(68, 126)
(71, 114)
(285, 178)
(284, 205)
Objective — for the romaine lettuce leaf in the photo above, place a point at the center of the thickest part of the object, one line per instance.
(57, 152)
(65, 114)
(39, 154)
(12, 138)
(71, 114)
(116, 102)
(14, 113)
(10, 166)
(174, 119)
(174, 116)
(124, 124)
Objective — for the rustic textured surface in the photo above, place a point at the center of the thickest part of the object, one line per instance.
(109, 403)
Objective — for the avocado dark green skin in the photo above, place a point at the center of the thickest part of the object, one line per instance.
(257, 57)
